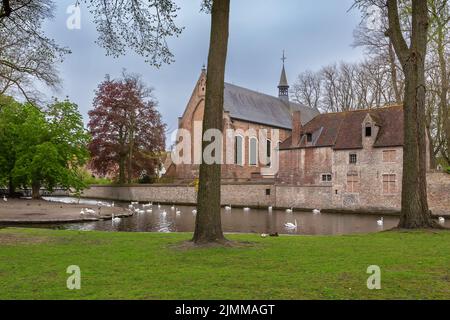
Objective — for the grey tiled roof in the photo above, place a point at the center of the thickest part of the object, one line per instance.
(252, 106)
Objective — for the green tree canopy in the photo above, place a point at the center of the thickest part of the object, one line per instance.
(42, 148)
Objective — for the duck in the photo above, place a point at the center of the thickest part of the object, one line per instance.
(82, 212)
(264, 235)
(290, 225)
(178, 211)
(246, 209)
(172, 207)
(115, 219)
(441, 220)
(228, 207)
(290, 210)
(159, 206)
(194, 212)
(130, 206)
(269, 208)
(134, 202)
(4, 198)
(316, 211)
(380, 221)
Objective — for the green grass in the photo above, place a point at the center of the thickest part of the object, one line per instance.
(33, 262)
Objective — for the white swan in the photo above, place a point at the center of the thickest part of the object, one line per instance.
(441, 220)
(316, 211)
(172, 207)
(82, 212)
(194, 212)
(289, 210)
(246, 209)
(89, 211)
(269, 208)
(159, 206)
(115, 219)
(178, 211)
(228, 207)
(4, 198)
(134, 202)
(380, 221)
(290, 225)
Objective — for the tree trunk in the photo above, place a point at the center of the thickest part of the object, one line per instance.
(208, 225)
(394, 80)
(11, 187)
(414, 212)
(122, 169)
(35, 190)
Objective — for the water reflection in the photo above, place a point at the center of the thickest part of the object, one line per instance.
(172, 218)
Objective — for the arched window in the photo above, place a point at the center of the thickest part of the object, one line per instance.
(253, 151)
(239, 150)
(269, 153)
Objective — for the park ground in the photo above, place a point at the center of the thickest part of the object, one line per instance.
(114, 265)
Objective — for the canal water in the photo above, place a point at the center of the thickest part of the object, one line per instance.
(164, 218)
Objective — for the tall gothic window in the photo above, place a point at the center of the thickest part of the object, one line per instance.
(253, 151)
(269, 153)
(239, 150)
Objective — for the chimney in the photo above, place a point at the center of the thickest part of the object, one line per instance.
(296, 128)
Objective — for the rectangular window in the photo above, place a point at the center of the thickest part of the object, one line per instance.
(353, 158)
(353, 183)
(269, 152)
(389, 155)
(238, 152)
(368, 131)
(389, 183)
(253, 152)
(308, 137)
(326, 178)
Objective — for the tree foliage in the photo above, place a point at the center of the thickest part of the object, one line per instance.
(27, 57)
(40, 148)
(127, 130)
(142, 26)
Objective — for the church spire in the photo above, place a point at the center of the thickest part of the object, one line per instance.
(283, 86)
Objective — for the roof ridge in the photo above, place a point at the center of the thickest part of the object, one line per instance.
(366, 109)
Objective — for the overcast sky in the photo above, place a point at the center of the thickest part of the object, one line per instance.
(313, 33)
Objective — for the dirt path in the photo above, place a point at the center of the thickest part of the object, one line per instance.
(41, 211)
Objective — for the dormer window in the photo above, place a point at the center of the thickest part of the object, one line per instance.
(308, 137)
(368, 130)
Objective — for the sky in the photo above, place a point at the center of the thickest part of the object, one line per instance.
(313, 33)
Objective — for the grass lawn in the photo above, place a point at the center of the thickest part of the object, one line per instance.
(33, 262)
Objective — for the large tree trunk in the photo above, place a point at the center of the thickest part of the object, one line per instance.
(208, 225)
(414, 212)
(35, 190)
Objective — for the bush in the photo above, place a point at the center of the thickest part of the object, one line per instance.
(447, 170)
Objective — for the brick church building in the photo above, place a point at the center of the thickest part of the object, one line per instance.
(248, 112)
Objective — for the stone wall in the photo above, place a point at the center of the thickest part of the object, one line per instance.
(234, 194)
(439, 192)
(281, 196)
